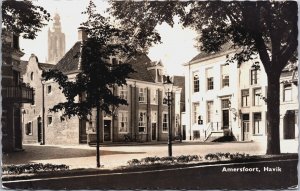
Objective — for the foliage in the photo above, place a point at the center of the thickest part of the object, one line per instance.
(255, 29)
(97, 78)
(164, 160)
(22, 17)
(33, 168)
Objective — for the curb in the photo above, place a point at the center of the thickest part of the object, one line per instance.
(124, 169)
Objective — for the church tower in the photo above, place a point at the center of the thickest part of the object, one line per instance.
(56, 42)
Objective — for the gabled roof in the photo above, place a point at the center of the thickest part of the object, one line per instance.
(42, 66)
(70, 61)
(224, 48)
(140, 64)
(180, 82)
(156, 63)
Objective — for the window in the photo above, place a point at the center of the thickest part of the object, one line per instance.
(210, 79)
(31, 76)
(165, 122)
(257, 123)
(196, 82)
(49, 120)
(123, 92)
(154, 116)
(257, 97)
(123, 122)
(154, 97)
(142, 95)
(142, 122)
(287, 92)
(49, 89)
(225, 81)
(210, 83)
(225, 76)
(254, 76)
(245, 98)
(195, 112)
(225, 104)
(28, 128)
(209, 111)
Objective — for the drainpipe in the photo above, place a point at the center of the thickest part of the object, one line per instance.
(190, 102)
(43, 112)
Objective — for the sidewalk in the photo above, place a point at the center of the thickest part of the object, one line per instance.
(116, 155)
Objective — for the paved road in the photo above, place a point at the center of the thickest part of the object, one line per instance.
(83, 156)
(207, 177)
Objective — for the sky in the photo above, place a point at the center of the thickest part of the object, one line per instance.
(176, 49)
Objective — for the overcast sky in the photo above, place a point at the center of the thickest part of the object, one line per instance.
(177, 47)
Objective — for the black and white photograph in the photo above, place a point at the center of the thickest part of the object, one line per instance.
(149, 95)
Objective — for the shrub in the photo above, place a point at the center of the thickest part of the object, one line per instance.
(33, 168)
(151, 160)
(134, 162)
(167, 159)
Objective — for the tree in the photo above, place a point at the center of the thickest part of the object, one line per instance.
(97, 76)
(22, 17)
(267, 29)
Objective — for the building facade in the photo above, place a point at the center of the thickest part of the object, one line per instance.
(144, 119)
(14, 92)
(230, 99)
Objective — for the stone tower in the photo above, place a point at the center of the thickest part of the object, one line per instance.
(56, 42)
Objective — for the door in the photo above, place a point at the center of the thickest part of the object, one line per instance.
(153, 131)
(39, 129)
(225, 117)
(183, 132)
(107, 130)
(82, 131)
(17, 128)
(245, 127)
(289, 125)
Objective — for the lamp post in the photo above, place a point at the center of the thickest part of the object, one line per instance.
(168, 86)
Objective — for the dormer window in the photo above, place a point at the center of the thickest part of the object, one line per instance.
(159, 75)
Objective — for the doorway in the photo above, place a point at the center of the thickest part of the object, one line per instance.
(82, 131)
(153, 131)
(39, 129)
(289, 125)
(225, 113)
(245, 127)
(107, 130)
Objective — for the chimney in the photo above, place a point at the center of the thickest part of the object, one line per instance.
(82, 34)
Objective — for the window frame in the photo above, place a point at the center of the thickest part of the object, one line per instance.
(245, 96)
(49, 117)
(209, 109)
(142, 94)
(30, 133)
(143, 123)
(210, 83)
(165, 122)
(257, 98)
(254, 76)
(123, 92)
(123, 118)
(257, 129)
(196, 112)
(196, 82)
(285, 92)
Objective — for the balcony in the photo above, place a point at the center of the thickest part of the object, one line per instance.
(18, 94)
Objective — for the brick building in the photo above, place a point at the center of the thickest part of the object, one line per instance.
(143, 119)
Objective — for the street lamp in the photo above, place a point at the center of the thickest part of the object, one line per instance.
(168, 86)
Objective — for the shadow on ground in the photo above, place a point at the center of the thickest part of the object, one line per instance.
(37, 152)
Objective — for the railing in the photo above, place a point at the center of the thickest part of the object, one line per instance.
(215, 127)
(18, 94)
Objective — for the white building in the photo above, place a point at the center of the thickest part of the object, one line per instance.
(230, 99)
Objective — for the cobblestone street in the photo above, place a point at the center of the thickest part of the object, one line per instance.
(84, 156)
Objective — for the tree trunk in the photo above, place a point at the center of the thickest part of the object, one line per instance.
(98, 136)
(273, 108)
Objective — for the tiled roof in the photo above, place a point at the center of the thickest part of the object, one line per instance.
(140, 65)
(180, 82)
(70, 61)
(45, 66)
(224, 48)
